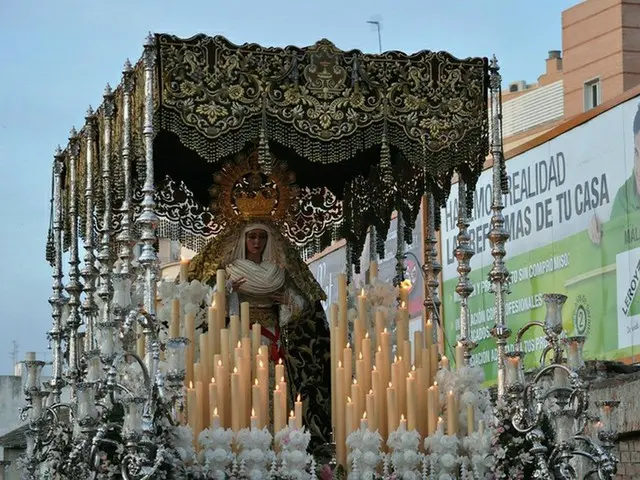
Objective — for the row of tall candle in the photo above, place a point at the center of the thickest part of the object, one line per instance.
(229, 384)
(383, 393)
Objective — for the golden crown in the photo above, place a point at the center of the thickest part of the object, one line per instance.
(242, 192)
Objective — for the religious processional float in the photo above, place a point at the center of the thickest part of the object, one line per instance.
(363, 135)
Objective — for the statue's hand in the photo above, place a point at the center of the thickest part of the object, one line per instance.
(280, 298)
(235, 285)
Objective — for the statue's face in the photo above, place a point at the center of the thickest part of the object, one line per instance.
(256, 240)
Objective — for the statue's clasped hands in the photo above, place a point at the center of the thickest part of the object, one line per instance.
(236, 284)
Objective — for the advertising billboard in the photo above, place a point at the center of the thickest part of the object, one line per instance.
(573, 214)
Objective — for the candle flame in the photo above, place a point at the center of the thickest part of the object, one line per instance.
(190, 384)
(362, 292)
(239, 344)
(261, 364)
(349, 400)
(277, 388)
(440, 419)
(444, 357)
(403, 305)
(291, 414)
(435, 384)
(366, 335)
(402, 417)
(451, 393)
(299, 399)
(355, 381)
(213, 379)
(339, 363)
(256, 382)
(219, 363)
(379, 348)
(429, 324)
(395, 359)
(215, 410)
(413, 368)
(364, 415)
(282, 379)
(360, 356)
(235, 369)
(385, 330)
(406, 283)
(374, 368)
(253, 412)
(348, 345)
(279, 361)
(371, 392)
(390, 385)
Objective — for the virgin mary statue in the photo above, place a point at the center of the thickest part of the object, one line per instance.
(264, 269)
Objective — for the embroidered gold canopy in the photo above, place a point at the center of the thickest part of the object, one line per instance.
(363, 134)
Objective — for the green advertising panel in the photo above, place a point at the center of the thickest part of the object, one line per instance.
(573, 213)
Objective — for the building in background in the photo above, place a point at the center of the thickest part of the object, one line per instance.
(599, 60)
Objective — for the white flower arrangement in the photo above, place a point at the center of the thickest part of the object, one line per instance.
(293, 456)
(216, 454)
(364, 453)
(405, 458)
(255, 452)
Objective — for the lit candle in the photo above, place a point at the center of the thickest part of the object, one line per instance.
(370, 411)
(360, 374)
(244, 319)
(405, 289)
(460, 350)
(174, 327)
(215, 423)
(403, 423)
(184, 270)
(256, 404)
(279, 370)
(440, 427)
(363, 422)
(263, 381)
(412, 414)
(235, 395)
(285, 396)
(298, 407)
(254, 419)
(213, 396)
(445, 362)
(349, 417)
(402, 322)
(278, 420)
(192, 410)
(357, 406)
(428, 334)
(292, 420)
(452, 415)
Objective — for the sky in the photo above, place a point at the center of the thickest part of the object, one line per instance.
(57, 56)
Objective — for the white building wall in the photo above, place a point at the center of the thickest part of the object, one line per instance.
(533, 108)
